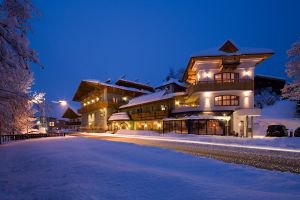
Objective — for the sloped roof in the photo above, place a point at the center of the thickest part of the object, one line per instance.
(134, 84)
(228, 49)
(70, 114)
(86, 86)
(148, 98)
(172, 81)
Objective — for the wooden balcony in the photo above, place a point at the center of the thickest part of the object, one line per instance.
(236, 84)
(149, 115)
(94, 106)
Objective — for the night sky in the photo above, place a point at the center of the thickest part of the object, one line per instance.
(93, 39)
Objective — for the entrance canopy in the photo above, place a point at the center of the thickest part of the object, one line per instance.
(120, 116)
(249, 112)
(227, 118)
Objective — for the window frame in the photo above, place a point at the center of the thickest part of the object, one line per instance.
(233, 77)
(227, 100)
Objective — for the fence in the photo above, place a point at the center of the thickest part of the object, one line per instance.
(8, 138)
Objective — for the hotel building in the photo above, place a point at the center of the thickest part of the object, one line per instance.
(215, 97)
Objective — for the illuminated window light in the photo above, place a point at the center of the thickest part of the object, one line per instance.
(177, 103)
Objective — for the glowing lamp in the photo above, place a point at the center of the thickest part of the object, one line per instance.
(63, 102)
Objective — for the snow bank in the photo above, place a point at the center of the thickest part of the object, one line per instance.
(80, 168)
(282, 112)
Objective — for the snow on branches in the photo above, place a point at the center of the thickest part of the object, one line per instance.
(16, 111)
(292, 90)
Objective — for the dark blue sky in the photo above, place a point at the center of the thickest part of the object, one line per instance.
(93, 39)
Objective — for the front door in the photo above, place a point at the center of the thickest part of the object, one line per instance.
(242, 128)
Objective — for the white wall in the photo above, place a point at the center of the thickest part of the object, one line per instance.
(206, 100)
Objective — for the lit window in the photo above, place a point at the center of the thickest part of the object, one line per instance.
(115, 100)
(227, 100)
(226, 77)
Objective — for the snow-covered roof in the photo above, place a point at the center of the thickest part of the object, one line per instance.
(241, 51)
(119, 116)
(172, 81)
(134, 84)
(199, 117)
(117, 86)
(269, 77)
(71, 113)
(87, 86)
(152, 97)
(230, 49)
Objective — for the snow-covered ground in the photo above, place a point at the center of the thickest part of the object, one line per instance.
(80, 168)
(259, 142)
(282, 112)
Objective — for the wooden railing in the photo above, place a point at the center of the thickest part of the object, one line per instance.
(149, 115)
(73, 123)
(93, 106)
(8, 138)
(236, 84)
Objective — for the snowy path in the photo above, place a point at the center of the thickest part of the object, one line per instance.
(80, 168)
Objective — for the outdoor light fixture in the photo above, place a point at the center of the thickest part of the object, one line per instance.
(207, 74)
(198, 76)
(247, 73)
(206, 94)
(247, 93)
(63, 102)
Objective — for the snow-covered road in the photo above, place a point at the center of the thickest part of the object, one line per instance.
(80, 168)
(203, 140)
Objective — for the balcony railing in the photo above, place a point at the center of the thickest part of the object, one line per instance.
(94, 106)
(234, 84)
(149, 115)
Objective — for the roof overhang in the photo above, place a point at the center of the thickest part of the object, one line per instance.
(84, 88)
(248, 112)
(70, 114)
(262, 56)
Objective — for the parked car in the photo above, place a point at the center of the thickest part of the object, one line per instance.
(277, 131)
(297, 132)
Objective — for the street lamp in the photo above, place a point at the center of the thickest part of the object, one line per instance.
(61, 102)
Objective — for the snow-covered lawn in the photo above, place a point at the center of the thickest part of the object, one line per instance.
(80, 168)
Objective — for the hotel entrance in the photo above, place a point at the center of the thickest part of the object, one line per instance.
(195, 126)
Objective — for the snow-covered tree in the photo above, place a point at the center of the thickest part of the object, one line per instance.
(15, 57)
(178, 75)
(292, 90)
